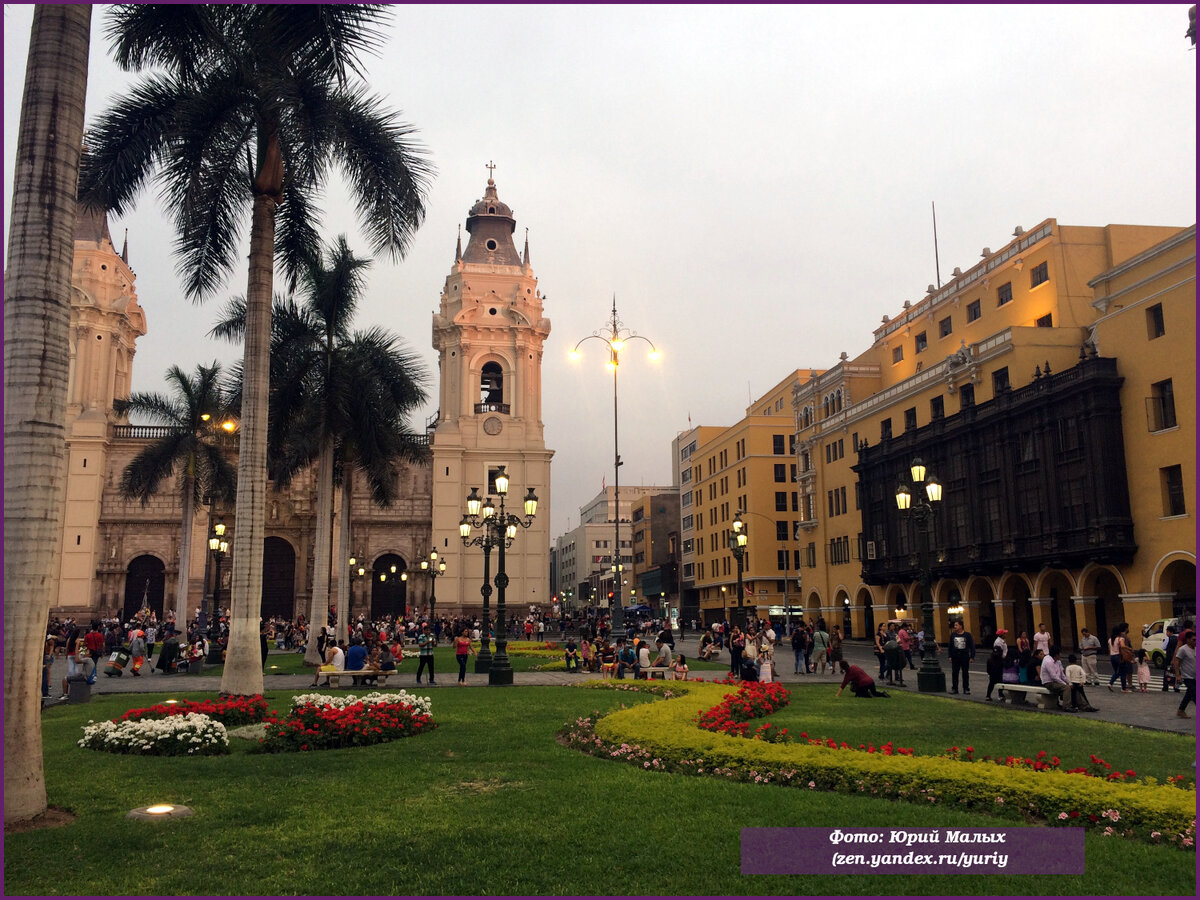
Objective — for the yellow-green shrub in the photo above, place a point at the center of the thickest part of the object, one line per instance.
(668, 730)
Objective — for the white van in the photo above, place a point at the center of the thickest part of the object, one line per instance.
(1154, 640)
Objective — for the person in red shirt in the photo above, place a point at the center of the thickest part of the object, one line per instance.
(862, 684)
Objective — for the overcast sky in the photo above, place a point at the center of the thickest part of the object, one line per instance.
(752, 182)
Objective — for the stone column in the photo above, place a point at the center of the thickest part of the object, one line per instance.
(1085, 616)
(1005, 618)
(1041, 613)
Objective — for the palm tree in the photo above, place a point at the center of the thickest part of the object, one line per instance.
(37, 310)
(196, 414)
(253, 112)
(340, 399)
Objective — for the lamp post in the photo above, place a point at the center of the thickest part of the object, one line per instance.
(738, 541)
(433, 568)
(616, 336)
(930, 678)
(499, 529)
(356, 571)
(219, 546)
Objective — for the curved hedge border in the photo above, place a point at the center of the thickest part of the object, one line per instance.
(667, 731)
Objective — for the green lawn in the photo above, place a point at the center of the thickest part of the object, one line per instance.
(490, 803)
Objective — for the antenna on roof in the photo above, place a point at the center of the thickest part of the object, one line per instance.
(936, 265)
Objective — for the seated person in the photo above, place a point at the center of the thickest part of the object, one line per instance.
(608, 657)
(356, 659)
(708, 646)
(198, 651)
(387, 662)
(664, 654)
(643, 660)
(85, 670)
(1076, 677)
(572, 657)
(679, 670)
(1054, 679)
(862, 684)
(749, 663)
(373, 656)
(625, 659)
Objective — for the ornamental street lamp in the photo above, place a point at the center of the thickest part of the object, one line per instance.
(219, 546)
(499, 529)
(738, 540)
(356, 571)
(616, 336)
(930, 678)
(433, 568)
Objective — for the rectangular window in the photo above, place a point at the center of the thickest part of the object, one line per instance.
(1039, 275)
(885, 429)
(973, 311)
(687, 523)
(966, 396)
(781, 531)
(791, 445)
(1155, 326)
(897, 354)
(781, 501)
(1000, 381)
(910, 418)
(1004, 293)
(1174, 503)
(1162, 406)
(780, 471)
(829, 499)
(689, 545)
(945, 327)
(937, 407)
(795, 501)
(922, 342)
(1046, 321)
(777, 444)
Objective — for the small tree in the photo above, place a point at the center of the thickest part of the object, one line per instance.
(197, 414)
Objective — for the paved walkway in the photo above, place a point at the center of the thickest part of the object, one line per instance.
(1155, 709)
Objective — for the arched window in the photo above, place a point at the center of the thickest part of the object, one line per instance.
(491, 387)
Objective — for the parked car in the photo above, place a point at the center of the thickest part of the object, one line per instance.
(1154, 640)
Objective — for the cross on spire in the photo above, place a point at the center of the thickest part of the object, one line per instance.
(490, 167)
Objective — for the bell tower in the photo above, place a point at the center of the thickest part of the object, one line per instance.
(489, 331)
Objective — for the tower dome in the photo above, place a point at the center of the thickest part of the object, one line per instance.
(491, 225)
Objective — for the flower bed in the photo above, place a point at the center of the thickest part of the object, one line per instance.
(420, 704)
(667, 732)
(230, 711)
(358, 723)
(753, 700)
(190, 734)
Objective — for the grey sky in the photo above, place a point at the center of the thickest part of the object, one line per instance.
(752, 182)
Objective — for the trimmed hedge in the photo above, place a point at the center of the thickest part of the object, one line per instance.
(668, 730)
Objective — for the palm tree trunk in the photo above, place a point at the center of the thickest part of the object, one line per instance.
(319, 606)
(36, 319)
(185, 555)
(243, 673)
(344, 598)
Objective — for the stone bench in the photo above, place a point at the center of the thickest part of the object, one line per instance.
(1045, 697)
(334, 678)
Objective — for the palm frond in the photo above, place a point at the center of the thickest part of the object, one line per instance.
(386, 169)
(297, 243)
(231, 322)
(325, 37)
(123, 146)
(178, 37)
(141, 478)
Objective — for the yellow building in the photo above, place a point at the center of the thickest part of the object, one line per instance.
(983, 378)
(748, 467)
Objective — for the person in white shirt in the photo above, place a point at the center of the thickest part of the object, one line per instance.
(1076, 677)
(1089, 649)
(1041, 639)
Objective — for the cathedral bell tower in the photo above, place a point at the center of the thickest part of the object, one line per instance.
(489, 331)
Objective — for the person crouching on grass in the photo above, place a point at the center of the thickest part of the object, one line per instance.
(862, 684)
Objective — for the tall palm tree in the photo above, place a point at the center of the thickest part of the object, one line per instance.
(339, 398)
(197, 414)
(37, 311)
(254, 108)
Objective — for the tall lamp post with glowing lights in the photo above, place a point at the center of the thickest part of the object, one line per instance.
(930, 678)
(218, 544)
(616, 336)
(738, 541)
(499, 529)
(433, 568)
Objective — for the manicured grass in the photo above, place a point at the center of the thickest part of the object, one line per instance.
(930, 725)
(489, 803)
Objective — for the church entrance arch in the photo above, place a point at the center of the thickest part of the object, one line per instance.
(389, 592)
(145, 586)
(279, 579)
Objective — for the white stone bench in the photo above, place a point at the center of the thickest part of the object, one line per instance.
(1045, 697)
(651, 671)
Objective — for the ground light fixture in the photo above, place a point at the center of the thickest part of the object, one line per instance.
(159, 811)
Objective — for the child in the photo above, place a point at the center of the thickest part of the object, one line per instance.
(679, 669)
(1076, 678)
(1143, 671)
